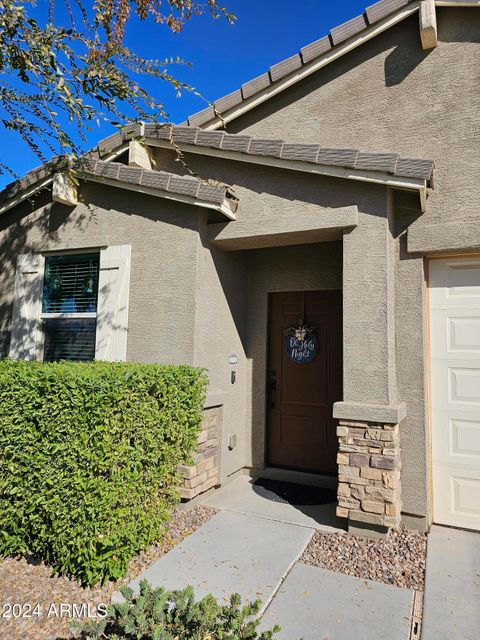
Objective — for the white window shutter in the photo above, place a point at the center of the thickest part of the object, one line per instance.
(26, 336)
(112, 308)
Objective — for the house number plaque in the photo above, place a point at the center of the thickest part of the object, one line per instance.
(301, 344)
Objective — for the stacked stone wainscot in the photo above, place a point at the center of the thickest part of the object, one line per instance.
(205, 472)
(369, 466)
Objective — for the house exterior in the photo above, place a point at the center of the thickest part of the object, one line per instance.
(320, 256)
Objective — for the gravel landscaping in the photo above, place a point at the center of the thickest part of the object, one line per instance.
(29, 581)
(398, 559)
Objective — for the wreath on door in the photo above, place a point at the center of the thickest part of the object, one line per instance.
(301, 343)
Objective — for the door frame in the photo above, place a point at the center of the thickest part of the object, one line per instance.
(323, 479)
(427, 260)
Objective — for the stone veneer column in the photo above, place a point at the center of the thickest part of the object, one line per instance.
(205, 472)
(369, 473)
(370, 413)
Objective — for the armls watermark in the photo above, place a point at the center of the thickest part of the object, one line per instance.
(53, 610)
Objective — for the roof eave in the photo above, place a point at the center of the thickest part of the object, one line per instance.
(24, 195)
(226, 207)
(375, 177)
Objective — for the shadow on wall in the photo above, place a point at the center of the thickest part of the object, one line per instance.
(18, 230)
(400, 62)
(231, 272)
(402, 45)
(23, 230)
(102, 196)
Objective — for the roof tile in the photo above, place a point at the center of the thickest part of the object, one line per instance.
(377, 161)
(337, 157)
(133, 130)
(315, 49)
(201, 117)
(261, 147)
(87, 165)
(187, 135)
(303, 152)
(255, 85)
(414, 168)
(130, 174)
(107, 145)
(228, 101)
(160, 131)
(107, 169)
(211, 193)
(348, 29)
(155, 180)
(210, 138)
(233, 142)
(383, 8)
(185, 185)
(285, 67)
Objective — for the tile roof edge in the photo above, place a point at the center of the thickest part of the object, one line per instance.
(47, 171)
(383, 161)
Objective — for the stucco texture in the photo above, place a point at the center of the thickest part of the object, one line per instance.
(390, 95)
(162, 235)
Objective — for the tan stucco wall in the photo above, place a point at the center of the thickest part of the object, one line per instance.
(162, 235)
(220, 330)
(390, 95)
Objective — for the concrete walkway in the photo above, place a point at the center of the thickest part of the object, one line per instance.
(231, 553)
(452, 585)
(252, 547)
(316, 604)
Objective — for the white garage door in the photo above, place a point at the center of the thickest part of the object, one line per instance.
(455, 370)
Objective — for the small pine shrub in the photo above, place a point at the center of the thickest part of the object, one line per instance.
(89, 455)
(157, 614)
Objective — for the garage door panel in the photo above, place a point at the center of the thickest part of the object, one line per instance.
(455, 334)
(461, 446)
(455, 386)
(455, 282)
(460, 505)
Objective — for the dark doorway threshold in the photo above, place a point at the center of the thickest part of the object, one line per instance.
(293, 493)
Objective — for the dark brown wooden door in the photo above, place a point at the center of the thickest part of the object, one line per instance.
(301, 430)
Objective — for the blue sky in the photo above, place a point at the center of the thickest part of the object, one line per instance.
(222, 56)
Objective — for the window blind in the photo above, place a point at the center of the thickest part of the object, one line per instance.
(70, 287)
(71, 283)
(69, 339)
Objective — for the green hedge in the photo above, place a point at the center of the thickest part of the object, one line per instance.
(88, 458)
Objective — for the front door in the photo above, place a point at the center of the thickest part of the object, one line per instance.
(304, 379)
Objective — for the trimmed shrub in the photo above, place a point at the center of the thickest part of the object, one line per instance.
(157, 614)
(88, 459)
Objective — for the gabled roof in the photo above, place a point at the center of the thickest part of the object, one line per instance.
(384, 167)
(342, 39)
(187, 189)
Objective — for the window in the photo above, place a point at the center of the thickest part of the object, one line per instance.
(69, 306)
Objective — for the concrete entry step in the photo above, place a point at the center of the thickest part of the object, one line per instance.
(316, 604)
(241, 495)
(231, 553)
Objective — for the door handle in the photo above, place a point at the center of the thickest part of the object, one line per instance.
(272, 388)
